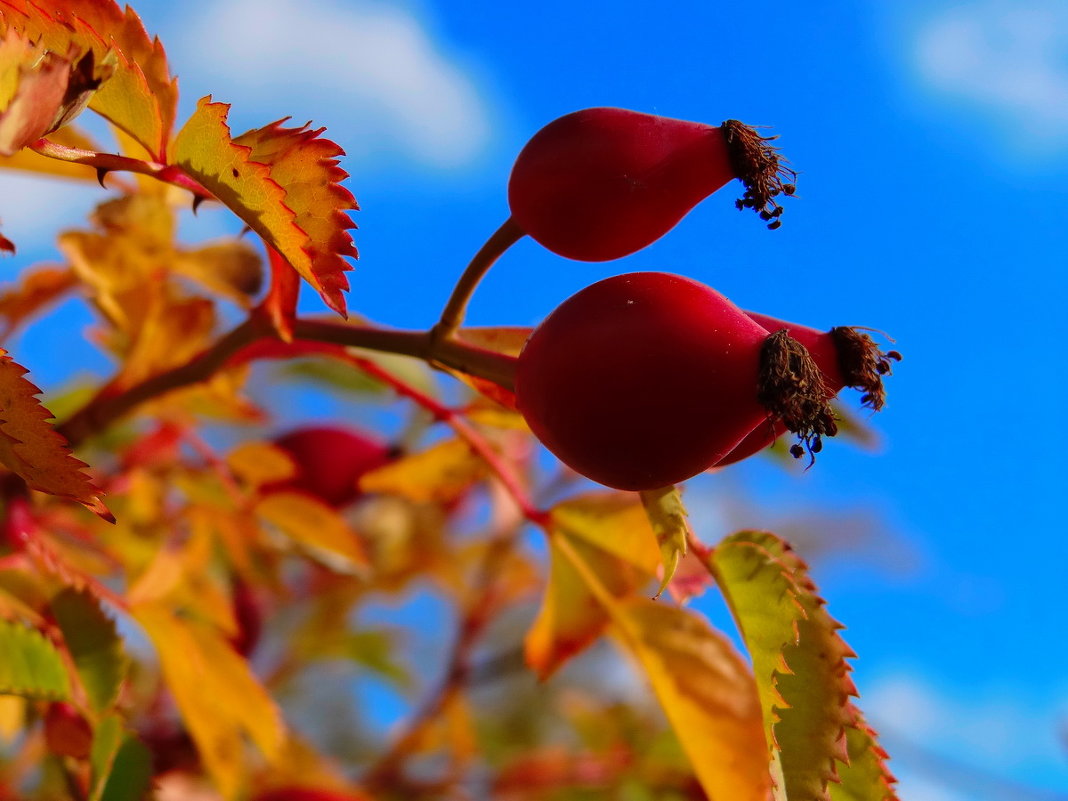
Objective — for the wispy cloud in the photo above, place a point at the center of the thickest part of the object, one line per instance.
(1008, 59)
(367, 65)
(1001, 740)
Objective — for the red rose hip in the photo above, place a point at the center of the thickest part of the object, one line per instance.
(601, 183)
(644, 380)
(330, 461)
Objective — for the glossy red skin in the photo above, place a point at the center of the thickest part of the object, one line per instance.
(821, 346)
(601, 183)
(330, 461)
(642, 380)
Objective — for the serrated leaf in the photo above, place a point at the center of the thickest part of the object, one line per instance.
(311, 523)
(219, 698)
(243, 177)
(441, 473)
(306, 166)
(121, 764)
(140, 96)
(33, 449)
(667, 516)
(799, 661)
(707, 693)
(866, 777)
(94, 646)
(611, 534)
(31, 666)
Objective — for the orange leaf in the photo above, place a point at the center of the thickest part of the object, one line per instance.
(276, 180)
(70, 136)
(140, 97)
(707, 692)
(611, 534)
(34, 290)
(442, 473)
(33, 86)
(217, 694)
(31, 447)
(311, 523)
(306, 166)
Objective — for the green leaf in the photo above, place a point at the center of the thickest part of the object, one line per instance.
(866, 777)
(798, 658)
(31, 666)
(667, 516)
(93, 643)
(121, 764)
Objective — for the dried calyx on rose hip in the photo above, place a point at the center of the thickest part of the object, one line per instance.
(845, 355)
(330, 460)
(644, 380)
(602, 183)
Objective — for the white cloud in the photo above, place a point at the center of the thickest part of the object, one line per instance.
(368, 64)
(1008, 58)
(1006, 733)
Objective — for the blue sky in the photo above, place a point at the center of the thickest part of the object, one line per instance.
(932, 142)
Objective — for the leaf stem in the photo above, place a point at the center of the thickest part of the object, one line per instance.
(106, 162)
(453, 315)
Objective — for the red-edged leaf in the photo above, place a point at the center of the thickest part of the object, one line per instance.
(31, 447)
(140, 97)
(307, 168)
(276, 180)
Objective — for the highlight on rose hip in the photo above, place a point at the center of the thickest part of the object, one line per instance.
(191, 587)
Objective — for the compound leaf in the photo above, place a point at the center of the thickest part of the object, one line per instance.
(33, 449)
(31, 666)
(94, 646)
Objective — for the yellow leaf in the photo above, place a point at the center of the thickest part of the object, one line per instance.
(441, 473)
(241, 179)
(707, 692)
(258, 463)
(219, 698)
(140, 96)
(613, 522)
(230, 268)
(12, 718)
(31, 447)
(311, 523)
(611, 534)
(667, 516)
(306, 167)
